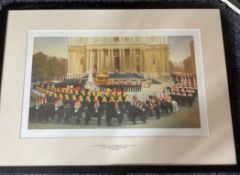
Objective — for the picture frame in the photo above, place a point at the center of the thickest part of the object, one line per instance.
(131, 93)
(193, 168)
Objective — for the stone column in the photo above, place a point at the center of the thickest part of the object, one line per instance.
(134, 61)
(98, 60)
(142, 60)
(102, 60)
(121, 60)
(91, 61)
(73, 62)
(109, 61)
(112, 67)
(87, 60)
(131, 60)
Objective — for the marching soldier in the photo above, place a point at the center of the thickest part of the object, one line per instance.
(119, 109)
(178, 97)
(34, 111)
(97, 110)
(143, 112)
(43, 110)
(59, 107)
(104, 105)
(190, 99)
(90, 109)
(81, 106)
(110, 110)
(164, 106)
(129, 109)
(184, 98)
(148, 108)
(68, 109)
(117, 113)
(51, 109)
(156, 108)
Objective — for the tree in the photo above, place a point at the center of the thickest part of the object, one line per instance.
(47, 68)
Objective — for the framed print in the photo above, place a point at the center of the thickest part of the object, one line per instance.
(117, 82)
(113, 83)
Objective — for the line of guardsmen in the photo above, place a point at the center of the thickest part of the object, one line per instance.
(66, 102)
(124, 85)
(185, 79)
(64, 107)
(185, 89)
(111, 104)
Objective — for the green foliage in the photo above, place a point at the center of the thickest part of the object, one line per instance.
(47, 68)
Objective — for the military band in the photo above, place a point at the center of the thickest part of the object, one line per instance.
(72, 103)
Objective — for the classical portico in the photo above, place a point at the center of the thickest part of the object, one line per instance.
(118, 54)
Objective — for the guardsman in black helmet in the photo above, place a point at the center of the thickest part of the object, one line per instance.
(164, 106)
(34, 111)
(184, 98)
(119, 109)
(81, 109)
(97, 110)
(59, 107)
(51, 108)
(143, 112)
(68, 109)
(110, 111)
(190, 99)
(104, 104)
(90, 109)
(129, 108)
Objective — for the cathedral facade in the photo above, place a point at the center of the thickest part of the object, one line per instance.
(119, 54)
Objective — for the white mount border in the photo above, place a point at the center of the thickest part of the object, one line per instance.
(31, 133)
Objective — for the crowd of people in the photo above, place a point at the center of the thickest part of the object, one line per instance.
(72, 103)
